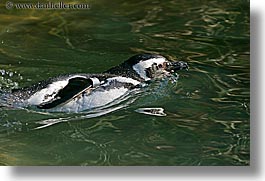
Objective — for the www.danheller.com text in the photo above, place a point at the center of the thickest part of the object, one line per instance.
(48, 5)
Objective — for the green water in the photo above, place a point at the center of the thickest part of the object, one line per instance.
(208, 114)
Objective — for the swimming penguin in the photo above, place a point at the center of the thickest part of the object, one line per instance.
(79, 92)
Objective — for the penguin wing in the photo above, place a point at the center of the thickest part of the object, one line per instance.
(75, 87)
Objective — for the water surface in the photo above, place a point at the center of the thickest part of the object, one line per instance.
(207, 110)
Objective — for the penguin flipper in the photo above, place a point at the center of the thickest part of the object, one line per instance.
(74, 88)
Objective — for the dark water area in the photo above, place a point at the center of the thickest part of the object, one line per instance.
(207, 110)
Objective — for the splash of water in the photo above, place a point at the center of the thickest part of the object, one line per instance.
(7, 79)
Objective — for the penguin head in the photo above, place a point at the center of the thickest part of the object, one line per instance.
(147, 67)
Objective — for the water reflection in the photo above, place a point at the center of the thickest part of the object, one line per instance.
(207, 110)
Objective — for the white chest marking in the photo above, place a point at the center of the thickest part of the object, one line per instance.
(123, 80)
(98, 97)
(95, 99)
(95, 81)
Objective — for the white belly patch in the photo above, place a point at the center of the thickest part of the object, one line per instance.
(93, 100)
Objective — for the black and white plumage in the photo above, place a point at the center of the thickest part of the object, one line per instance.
(79, 92)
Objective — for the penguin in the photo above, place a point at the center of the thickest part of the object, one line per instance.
(84, 91)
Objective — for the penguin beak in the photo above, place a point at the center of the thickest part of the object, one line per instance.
(174, 66)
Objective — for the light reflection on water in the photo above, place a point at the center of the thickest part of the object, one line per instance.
(207, 110)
